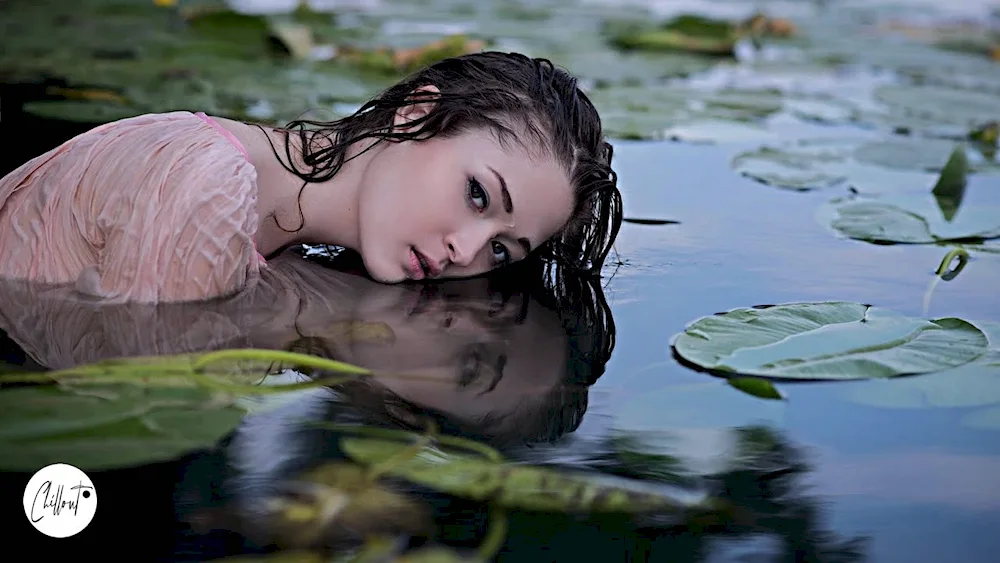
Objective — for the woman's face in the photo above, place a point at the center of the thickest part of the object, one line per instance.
(462, 206)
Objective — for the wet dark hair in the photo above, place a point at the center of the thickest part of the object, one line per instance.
(512, 96)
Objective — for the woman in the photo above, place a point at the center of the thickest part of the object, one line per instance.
(470, 164)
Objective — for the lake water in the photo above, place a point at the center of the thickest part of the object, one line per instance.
(874, 470)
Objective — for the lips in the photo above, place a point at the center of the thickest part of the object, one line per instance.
(421, 266)
(417, 271)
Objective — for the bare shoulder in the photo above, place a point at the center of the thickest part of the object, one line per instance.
(242, 131)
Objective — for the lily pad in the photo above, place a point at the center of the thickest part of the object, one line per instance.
(959, 107)
(651, 112)
(827, 340)
(686, 33)
(131, 411)
(974, 384)
(514, 486)
(108, 426)
(338, 499)
(910, 219)
(79, 111)
(866, 165)
(802, 166)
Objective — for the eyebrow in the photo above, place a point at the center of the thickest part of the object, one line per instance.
(508, 205)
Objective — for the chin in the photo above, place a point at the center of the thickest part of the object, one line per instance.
(381, 274)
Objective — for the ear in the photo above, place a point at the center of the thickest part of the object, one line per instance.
(406, 114)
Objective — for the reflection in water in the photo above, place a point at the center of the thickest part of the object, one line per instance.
(502, 360)
(486, 356)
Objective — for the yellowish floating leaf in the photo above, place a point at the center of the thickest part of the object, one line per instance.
(515, 486)
(337, 500)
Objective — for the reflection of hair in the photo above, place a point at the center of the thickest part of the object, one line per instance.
(506, 94)
(585, 317)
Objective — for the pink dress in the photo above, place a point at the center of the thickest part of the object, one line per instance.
(158, 207)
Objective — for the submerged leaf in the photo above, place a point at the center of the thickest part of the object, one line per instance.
(514, 486)
(950, 187)
(827, 340)
(760, 388)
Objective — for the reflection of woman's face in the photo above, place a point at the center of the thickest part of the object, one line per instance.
(469, 351)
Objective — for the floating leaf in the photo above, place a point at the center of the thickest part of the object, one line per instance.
(760, 388)
(80, 111)
(823, 163)
(296, 38)
(960, 107)
(923, 154)
(125, 412)
(988, 134)
(974, 384)
(910, 219)
(338, 500)
(802, 166)
(640, 221)
(283, 556)
(826, 340)
(514, 486)
(435, 554)
(108, 426)
(662, 112)
(686, 33)
(695, 34)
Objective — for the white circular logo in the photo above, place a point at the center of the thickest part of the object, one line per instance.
(60, 500)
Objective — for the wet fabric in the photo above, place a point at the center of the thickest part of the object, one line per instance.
(158, 207)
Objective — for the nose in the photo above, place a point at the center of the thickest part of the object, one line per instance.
(464, 244)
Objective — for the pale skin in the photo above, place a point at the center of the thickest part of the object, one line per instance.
(440, 208)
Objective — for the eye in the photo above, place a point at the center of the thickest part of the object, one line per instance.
(500, 253)
(480, 200)
(470, 367)
(478, 196)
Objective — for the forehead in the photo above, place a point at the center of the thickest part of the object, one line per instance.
(539, 185)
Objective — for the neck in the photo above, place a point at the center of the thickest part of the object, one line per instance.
(325, 213)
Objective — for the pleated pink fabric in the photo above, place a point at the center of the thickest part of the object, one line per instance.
(153, 208)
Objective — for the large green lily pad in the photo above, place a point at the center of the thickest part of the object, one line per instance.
(515, 486)
(975, 384)
(827, 340)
